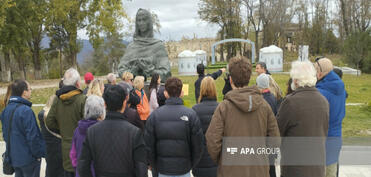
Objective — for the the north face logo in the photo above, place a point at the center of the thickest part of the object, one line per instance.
(185, 118)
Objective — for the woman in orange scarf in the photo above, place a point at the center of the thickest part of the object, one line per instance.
(143, 107)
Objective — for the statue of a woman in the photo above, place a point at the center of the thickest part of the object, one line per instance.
(145, 55)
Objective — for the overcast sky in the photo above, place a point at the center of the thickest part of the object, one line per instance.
(177, 18)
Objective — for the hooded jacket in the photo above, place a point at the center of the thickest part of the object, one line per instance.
(78, 138)
(332, 88)
(27, 143)
(64, 115)
(243, 113)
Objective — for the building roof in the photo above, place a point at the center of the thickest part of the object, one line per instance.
(271, 49)
(186, 53)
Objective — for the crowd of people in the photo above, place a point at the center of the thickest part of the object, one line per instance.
(115, 129)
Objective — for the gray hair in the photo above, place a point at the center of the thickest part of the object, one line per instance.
(111, 77)
(303, 73)
(71, 77)
(94, 107)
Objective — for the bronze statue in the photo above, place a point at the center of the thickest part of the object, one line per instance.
(145, 55)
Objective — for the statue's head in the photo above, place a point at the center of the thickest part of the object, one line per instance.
(143, 24)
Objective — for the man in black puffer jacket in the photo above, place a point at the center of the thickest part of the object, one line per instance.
(173, 134)
(114, 145)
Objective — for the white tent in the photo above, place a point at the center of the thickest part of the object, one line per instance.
(187, 63)
(273, 57)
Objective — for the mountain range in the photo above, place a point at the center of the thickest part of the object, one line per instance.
(86, 50)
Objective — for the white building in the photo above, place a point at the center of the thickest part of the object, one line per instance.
(273, 57)
(187, 63)
(201, 57)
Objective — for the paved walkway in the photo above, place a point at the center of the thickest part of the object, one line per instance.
(47, 84)
(345, 171)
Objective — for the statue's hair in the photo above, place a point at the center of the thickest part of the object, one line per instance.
(149, 33)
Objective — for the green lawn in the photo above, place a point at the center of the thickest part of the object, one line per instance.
(356, 123)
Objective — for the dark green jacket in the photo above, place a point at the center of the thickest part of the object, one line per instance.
(64, 114)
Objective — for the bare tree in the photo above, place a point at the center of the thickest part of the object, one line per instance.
(254, 14)
(226, 14)
(356, 15)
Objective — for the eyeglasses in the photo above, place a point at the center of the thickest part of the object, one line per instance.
(316, 60)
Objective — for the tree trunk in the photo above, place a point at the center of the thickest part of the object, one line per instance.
(36, 60)
(7, 69)
(73, 49)
(222, 45)
(222, 52)
(60, 64)
(1, 72)
(21, 67)
(256, 44)
(344, 14)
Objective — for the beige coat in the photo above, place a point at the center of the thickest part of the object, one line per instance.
(243, 113)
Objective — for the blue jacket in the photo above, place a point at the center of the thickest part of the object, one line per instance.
(332, 87)
(27, 144)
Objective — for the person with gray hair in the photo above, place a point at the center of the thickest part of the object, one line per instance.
(111, 80)
(304, 113)
(67, 109)
(72, 78)
(94, 112)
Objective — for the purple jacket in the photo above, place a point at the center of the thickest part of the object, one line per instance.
(77, 140)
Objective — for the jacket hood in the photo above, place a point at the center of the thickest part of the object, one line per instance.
(83, 125)
(18, 99)
(67, 93)
(332, 83)
(247, 99)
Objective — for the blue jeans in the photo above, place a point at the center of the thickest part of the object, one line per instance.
(31, 170)
(185, 175)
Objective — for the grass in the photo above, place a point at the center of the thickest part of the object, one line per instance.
(357, 121)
